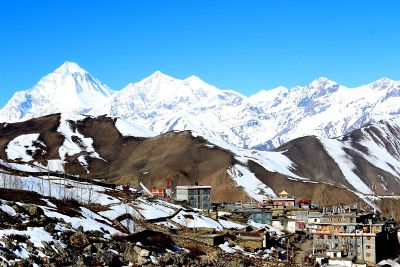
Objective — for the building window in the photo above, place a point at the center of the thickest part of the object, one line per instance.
(368, 246)
(368, 255)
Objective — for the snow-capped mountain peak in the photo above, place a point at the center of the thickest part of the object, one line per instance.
(384, 83)
(68, 89)
(322, 83)
(156, 78)
(195, 80)
(70, 67)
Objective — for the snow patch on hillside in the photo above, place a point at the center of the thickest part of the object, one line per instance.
(335, 150)
(22, 147)
(81, 143)
(195, 220)
(36, 235)
(256, 189)
(127, 128)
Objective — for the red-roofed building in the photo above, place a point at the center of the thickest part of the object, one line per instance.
(157, 192)
(305, 203)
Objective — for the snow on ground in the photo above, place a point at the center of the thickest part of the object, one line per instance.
(231, 225)
(167, 224)
(335, 149)
(87, 193)
(7, 209)
(70, 147)
(389, 262)
(269, 228)
(250, 183)
(19, 147)
(88, 220)
(195, 220)
(127, 128)
(153, 210)
(271, 161)
(36, 235)
(119, 209)
(19, 167)
(130, 225)
(59, 188)
(378, 154)
(225, 247)
(274, 162)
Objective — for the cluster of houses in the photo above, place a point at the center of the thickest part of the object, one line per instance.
(342, 236)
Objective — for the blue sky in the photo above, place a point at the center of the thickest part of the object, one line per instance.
(241, 45)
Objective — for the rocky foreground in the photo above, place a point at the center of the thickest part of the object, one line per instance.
(37, 230)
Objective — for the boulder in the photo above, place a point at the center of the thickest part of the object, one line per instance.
(130, 254)
(34, 211)
(78, 240)
(144, 253)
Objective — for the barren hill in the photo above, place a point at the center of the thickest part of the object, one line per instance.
(98, 148)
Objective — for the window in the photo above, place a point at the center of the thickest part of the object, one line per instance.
(368, 255)
(368, 246)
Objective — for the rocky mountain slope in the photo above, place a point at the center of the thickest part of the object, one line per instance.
(162, 103)
(366, 160)
(104, 148)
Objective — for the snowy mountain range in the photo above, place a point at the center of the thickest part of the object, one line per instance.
(162, 103)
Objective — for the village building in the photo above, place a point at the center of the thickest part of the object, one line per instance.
(283, 200)
(366, 242)
(197, 196)
(305, 203)
(159, 192)
(339, 218)
(258, 215)
(250, 242)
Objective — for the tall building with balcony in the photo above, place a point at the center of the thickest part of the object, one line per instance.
(366, 242)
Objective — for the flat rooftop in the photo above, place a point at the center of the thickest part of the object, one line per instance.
(193, 187)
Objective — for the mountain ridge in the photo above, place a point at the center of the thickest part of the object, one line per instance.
(162, 103)
(356, 166)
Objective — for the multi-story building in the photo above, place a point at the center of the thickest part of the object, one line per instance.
(367, 242)
(197, 196)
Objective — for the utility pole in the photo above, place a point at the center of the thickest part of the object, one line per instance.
(287, 249)
(48, 179)
(313, 245)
